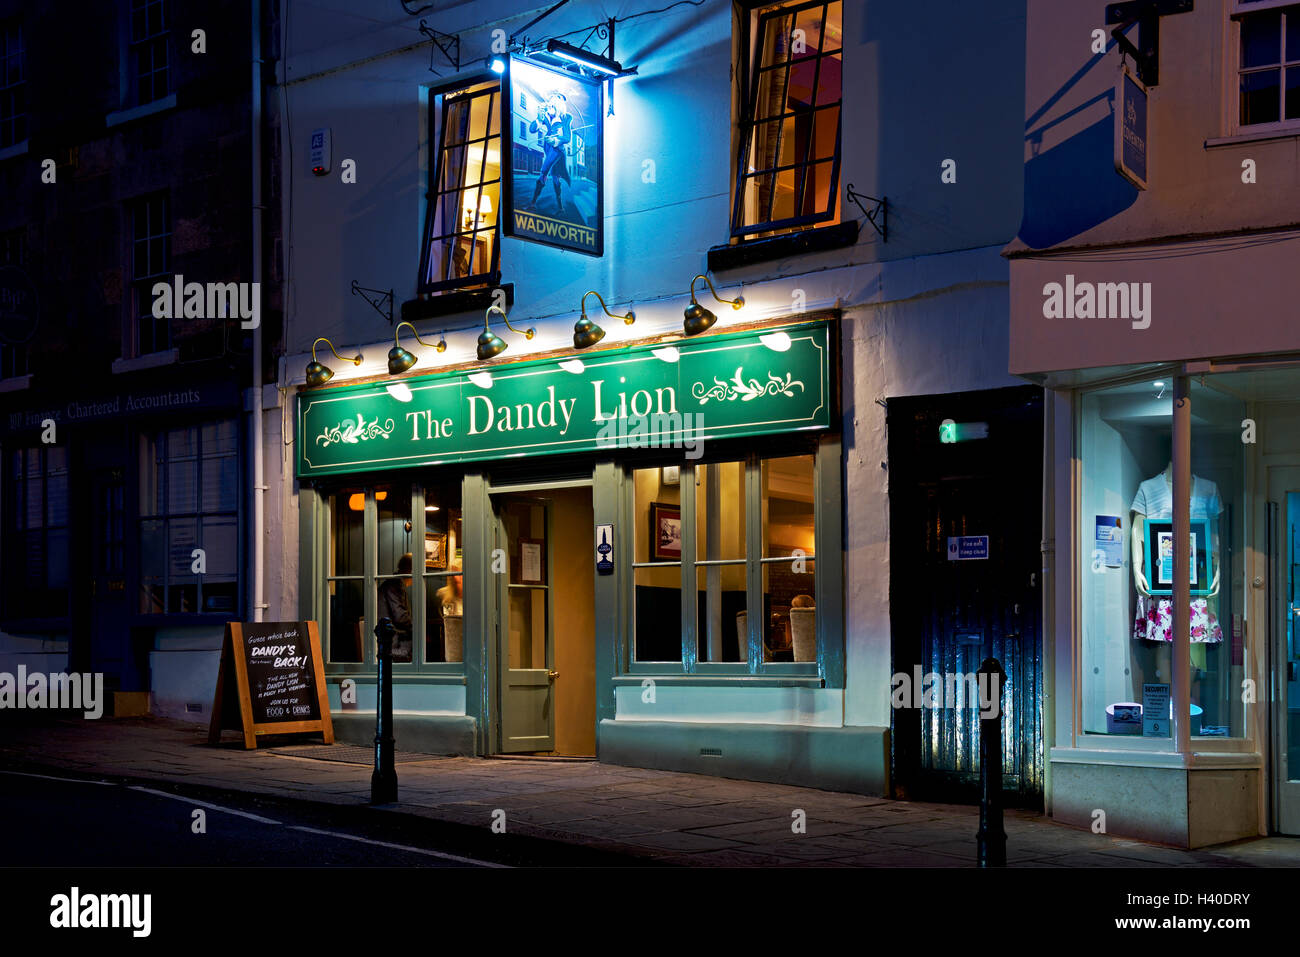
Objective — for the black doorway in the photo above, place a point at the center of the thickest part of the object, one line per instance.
(966, 466)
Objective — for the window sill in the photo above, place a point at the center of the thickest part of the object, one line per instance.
(450, 303)
(138, 112)
(1134, 758)
(811, 240)
(16, 383)
(151, 360)
(9, 152)
(1240, 139)
(399, 678)
(745, 681)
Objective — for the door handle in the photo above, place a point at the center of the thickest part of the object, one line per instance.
(553, 675)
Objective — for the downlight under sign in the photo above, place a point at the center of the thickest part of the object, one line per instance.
(758, 382)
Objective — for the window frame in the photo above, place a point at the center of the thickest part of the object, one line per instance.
(752, 27)
(139, 302)
(828, 595)
(371, 578)
(13, 252)
(136, 45)
(1237, 11)
(15, 552)
(9, 122)
(151, 512)
(485, 84)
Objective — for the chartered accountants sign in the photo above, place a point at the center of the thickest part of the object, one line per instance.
(763, 381)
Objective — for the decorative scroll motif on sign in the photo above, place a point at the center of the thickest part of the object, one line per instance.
(353, 432)
(738, 387)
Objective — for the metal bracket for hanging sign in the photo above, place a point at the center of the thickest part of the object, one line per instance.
(447, 43)
(1147, 14)
(879, 208)
(382, 302)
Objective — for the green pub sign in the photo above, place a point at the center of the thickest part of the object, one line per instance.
(759, 382)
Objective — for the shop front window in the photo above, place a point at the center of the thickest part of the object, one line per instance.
(36, 548)
(189, 541)
(394, 552)
(1126, 539)
(748, 540)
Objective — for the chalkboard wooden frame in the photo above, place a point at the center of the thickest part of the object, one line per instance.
(234, 664)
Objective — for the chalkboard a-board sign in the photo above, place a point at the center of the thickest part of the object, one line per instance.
(271, 681)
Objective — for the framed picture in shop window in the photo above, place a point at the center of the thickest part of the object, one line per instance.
(1159, 558)
(665, 532)
(530, 562)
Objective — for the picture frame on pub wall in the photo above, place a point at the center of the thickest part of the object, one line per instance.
(530, 561)
(665, 532)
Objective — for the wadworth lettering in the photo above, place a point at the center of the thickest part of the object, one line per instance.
(750, 383)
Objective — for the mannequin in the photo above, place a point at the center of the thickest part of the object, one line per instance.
(1153, 619)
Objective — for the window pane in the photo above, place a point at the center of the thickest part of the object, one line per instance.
(444, 617)
(220, 548)
(347, 623)
(1261, 39)
(721, 620)
(182, 486)
(774, 43)
(658, 591)
(789, 612)
(1260, 97)
(1293, 91)
(720, 510)
(347, 534)
(829, 81)
(807, 38)
(826, 133)
(1293, 34)
(788, 531)
(393, 507)
(769, 99)
(443, 593)
(799, 94)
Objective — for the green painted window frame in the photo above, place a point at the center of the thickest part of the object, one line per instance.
(829, 569)
(316, 529)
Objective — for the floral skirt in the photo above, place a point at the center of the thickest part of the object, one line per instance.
(1154, 620)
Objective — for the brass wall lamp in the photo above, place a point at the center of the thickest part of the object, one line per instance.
(697, 318)
(585, 332)
(490, 344)
(399, 359)
(319, 374)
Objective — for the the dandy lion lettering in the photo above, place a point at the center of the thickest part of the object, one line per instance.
(1105, 300)
(484, 414)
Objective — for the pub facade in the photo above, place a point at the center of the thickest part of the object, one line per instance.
(609, 367)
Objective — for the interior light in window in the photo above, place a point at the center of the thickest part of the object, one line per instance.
(357, 501)
(776, 341)
(431, 508)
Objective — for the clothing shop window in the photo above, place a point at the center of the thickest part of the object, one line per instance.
(394, 552)
(461, 240)
(13, 252)
(36, 548)
(13, 85)
(189, 529)
(745, 532)
(150, 54)
(1126, 537)
(150, 263)
(789, 159)
(1268, 64)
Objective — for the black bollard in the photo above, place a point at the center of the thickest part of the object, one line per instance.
(991, 837)
(383, 782)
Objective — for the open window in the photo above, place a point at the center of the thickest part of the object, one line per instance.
(461, 240)
(788, 169)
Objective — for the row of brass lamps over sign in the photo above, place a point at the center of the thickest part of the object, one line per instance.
(586, 333)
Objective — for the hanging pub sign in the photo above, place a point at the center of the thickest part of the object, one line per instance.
(759, 382)
(553, 167)
(1131, 128)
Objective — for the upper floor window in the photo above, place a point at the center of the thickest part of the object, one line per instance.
(150, 262)
(13, 252)
(149, 51)
(461, 242)
(789, 161)
(13, 85)
(1268, 64)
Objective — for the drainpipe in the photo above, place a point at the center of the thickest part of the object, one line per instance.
(1047, 626)
(256, 601)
